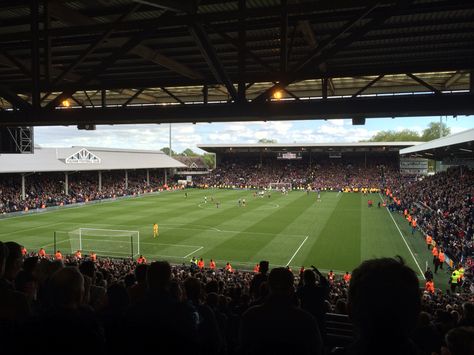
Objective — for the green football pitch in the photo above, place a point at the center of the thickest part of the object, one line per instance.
(337, 232)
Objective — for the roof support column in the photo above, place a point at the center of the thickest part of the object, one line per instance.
(126, 179)
(166, 176)
(66, 183)
(147, 177)
(100, 180)
(35, 56)
(23, 194)
(103, 98)
(471, 82)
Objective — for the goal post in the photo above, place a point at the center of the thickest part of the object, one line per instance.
(106, 242)
(280, 186)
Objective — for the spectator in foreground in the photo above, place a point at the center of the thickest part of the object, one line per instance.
(259, 279)
(278, 326)
(313, 296)
(160, 323)
(384, 304)
(13, 304)
(66, 320)
(460, 341)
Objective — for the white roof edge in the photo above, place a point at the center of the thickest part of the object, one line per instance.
(283, 145)
(452, 139)
(103, 149)
(47, 159)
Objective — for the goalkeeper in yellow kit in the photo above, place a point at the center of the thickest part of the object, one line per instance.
(155, 230)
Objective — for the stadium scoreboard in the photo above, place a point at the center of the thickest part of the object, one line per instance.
(289, 155)
(414, 166)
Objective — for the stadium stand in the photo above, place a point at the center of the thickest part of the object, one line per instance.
(116, 304)
(444, 207)
(62, 176)
(48, 190)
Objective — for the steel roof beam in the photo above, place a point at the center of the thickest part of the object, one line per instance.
(368, 107)
(133, 97)
(372, 82)
(15, 100)
(170, 94)
(319, 51)
(171, 5)
(424, 83)
(76, 18)
(106, 63)
(212, 60)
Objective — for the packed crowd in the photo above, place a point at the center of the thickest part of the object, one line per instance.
(119, 306)
(321, 174)
(443, 206)
(44, 191)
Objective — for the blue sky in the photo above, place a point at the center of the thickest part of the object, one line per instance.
(152, 136)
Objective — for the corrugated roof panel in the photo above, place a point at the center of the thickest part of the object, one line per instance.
(53, 159)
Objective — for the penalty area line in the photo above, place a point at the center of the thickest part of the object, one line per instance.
(191, 253)
(297, 250)
(401, 234)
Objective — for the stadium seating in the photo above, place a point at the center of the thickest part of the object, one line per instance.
(38, 294)
(444, 207)
(47, 190)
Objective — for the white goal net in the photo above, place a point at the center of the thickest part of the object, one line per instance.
(106, 242)
(280, 186)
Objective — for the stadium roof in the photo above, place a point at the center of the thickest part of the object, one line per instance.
(359, 146)
(455, 146)
(138, 61)
(85, 159)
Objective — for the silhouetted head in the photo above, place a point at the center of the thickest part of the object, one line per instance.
(192, 286)
(140, 272)
(14, 260)
(384, 298)
(158, 276)
(3, 258)
(309, 277)
(460, 340)
(67, 288)
(280, 282)
(88, 268)
(263, 266)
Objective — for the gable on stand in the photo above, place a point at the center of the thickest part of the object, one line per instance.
(83, 157)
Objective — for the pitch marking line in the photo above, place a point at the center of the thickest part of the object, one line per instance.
(141, 243)
(28, 229)
(272, 206)
(401, 234)
(193, 252)
(297, 250)
(204, 228)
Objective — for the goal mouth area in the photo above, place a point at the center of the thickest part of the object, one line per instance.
(107, 242)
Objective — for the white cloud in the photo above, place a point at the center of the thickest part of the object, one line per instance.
(153, 136)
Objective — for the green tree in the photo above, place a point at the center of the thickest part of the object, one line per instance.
(189, 153)
(433, 130)
(267, 141)
(166, 150)
(210, 160)
(405, 135)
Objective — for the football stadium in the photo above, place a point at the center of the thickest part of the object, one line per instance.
(352, 246)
